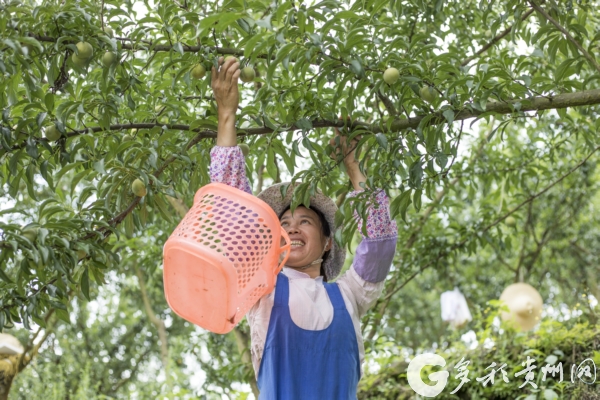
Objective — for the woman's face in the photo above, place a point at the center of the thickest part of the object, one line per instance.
(306, 236)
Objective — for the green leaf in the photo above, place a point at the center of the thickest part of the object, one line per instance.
(265, 22)
(382, 140)
(40, 118)
(162, 207)
(63, 315)
(3, 275)
(449, 115)
(30, 181)
(99, 166)
(417, 199)
(304, 123)
(562, 69)
(85, 284)
(357, 68)
(31, 148)
(249, 47)
(244, 25)
(416, 173)
(400, 204)
(178, 48)
(128, 222)
(270, 165)
(13, 162)
(14, 184)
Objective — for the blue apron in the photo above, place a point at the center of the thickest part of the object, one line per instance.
(303, 364)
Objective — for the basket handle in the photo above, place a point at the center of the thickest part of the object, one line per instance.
(285, 248)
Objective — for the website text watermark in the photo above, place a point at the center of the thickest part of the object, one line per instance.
(585, 372)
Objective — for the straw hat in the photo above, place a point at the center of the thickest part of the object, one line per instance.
(525, 305)
(272, 196)
(10, 344)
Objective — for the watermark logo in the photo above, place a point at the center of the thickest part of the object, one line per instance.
(584, 372)
(414, 375)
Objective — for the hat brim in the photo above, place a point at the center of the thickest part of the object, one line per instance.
(514, 296)
(272, 196)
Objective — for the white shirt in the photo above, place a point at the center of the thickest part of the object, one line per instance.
(311, 309)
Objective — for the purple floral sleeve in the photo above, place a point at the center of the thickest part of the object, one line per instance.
(227, 165)
(379, 224)
(375, 253)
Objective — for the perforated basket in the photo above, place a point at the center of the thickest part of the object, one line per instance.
(222, 257)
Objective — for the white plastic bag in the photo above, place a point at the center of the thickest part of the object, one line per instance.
(455, 309)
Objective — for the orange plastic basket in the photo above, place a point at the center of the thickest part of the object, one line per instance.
(222, 257)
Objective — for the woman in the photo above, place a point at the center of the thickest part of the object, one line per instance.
(306, 337)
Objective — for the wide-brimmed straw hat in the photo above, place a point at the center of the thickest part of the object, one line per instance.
(272, 196)
(525, 305)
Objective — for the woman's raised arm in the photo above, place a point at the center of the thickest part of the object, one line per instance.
(227, 161)
(363, 283)
(224, 82)
(350, 162)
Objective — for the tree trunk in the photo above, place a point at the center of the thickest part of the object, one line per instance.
(242, 341)
(8, 371)
(159, 323)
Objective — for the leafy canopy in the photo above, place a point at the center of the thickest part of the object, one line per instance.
(511, 131)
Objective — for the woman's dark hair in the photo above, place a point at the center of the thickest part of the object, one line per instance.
(325, 229)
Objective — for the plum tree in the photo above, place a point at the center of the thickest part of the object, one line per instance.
(514, 134)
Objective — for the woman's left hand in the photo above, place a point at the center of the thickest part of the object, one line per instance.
(348, 149)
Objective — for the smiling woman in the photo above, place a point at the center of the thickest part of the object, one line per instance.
(306, 336)
(300, 226)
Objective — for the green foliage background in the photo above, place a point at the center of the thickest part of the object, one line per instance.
(454, 169)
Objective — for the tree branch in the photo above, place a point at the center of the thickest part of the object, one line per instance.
(483, 230)
(567, 35)
(259, 184)
(416, 230)
(242, 340)
(495, 40)
(138, 362)
(31, 350)
(149, 45)
(539, 103)
(159, 323)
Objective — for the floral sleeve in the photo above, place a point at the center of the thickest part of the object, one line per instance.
(375, 253)
(379, 224)
(227, 165)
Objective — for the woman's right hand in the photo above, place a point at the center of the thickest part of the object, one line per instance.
(225, 88)
(225, 85)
